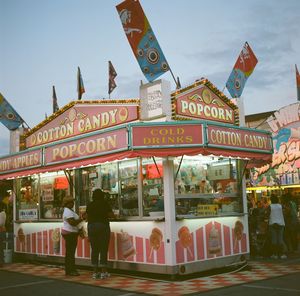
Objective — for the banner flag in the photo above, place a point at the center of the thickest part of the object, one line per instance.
(242, 69)
(80, 86)
(142, 39)
(298, 83)
(112, 74)
(55, 105)
(8, 115)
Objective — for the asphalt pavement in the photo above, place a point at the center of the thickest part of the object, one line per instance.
(20, 284)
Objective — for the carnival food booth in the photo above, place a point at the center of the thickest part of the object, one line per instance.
(173, 169)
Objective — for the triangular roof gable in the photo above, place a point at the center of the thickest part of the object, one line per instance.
(202, 100)
(80, 117)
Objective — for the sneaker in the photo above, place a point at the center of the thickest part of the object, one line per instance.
(283, 257)
(274, 257)
(104, 275)
(95, 276)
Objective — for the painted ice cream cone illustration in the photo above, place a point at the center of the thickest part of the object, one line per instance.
(185, 238)
(214, 243)
(56, 241)
(21, 236)
(126, 245)
(238, 232)
(155, 240)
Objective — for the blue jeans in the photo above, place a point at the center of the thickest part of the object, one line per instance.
(99, 236)
(277, 238)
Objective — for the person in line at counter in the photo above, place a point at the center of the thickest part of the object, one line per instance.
(2, 232)
(276, 223)
(98, 213)
(70, 234)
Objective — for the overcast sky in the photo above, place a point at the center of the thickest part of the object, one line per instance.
(44, 41)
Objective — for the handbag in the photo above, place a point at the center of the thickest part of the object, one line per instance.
(81, 232)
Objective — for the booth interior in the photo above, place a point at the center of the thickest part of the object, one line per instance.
(203, 185)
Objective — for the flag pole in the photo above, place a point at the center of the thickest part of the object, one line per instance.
(25, 123)
(177, 86)
(297, 83)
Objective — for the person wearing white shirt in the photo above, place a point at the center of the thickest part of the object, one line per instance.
(276, 223)
(70, 234)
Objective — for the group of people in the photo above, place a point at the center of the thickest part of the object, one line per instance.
(274, 227)
(98, 213)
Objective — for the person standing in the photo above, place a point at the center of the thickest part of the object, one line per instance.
(291, 223)
(276, 224)
(2, 232)
(70, 234)
(98, 213)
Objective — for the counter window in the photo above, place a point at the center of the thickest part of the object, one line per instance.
(152, 175)
(27, 198)
(207, 186)
(53, 188)
(118, 179)
(128, 175)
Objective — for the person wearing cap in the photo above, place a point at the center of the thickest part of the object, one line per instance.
(98, 214)
(70, 234)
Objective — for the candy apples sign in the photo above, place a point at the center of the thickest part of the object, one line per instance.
(20, 161)
(203, 101)
(82, 117)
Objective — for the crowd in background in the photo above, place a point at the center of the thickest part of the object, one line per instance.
(274, 226)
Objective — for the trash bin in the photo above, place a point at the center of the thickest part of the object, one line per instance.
(8, 248)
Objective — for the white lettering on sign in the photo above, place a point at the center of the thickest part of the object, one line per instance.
(28, 214)
(284, 117)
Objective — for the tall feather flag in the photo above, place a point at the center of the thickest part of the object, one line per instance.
(80, 86)
(54, 100)
(112, 74)
(298, 83)
(242, 69)
(142, 39)
(8, 115)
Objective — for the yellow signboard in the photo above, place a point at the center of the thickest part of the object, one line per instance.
(207, 210)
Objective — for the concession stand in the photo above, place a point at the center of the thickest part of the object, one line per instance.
(171, 163)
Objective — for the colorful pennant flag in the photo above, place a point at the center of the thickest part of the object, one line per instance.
(112, 74)
(298, 83)
(80, 86)
(242, 69)
(55, 105)
(8, 115)
(142, 39)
